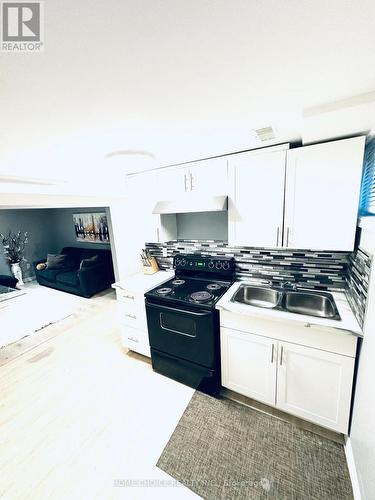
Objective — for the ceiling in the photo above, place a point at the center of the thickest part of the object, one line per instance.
(182, 80)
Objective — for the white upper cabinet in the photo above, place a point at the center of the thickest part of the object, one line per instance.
(257, 198)
(209, 177)
(322, 195)
(205, 177)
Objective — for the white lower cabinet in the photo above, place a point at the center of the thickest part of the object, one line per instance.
(131, 311)
(315, 385)
(249, 365)
(307, 382)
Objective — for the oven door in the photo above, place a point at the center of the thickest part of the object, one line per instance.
(186, 334)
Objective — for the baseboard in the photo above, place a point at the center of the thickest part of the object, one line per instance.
(352, 469)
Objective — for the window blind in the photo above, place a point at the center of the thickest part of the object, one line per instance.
(367, 202)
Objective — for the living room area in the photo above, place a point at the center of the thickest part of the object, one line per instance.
(55, 263)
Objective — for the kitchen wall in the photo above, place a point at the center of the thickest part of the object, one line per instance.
(362, 434)
(40, 226)
(320, 270)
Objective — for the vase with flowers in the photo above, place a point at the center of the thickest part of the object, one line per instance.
(14, 248)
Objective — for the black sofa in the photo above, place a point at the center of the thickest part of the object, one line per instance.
(84, 282)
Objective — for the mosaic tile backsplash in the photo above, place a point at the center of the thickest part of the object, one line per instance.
(307, 268)
(358, 275)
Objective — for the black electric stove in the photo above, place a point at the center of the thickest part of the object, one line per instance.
(183, 324)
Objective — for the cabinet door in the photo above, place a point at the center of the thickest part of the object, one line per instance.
(322, 195)
(315, 385)
(209, 177)
(171, 182)
(257, 199)
(248, 364)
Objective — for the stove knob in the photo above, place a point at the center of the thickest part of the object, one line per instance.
(178, 262)
(211, 265)
(226, 265)
(183, 262)
(219, 264)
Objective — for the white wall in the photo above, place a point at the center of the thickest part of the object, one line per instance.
(362, 433)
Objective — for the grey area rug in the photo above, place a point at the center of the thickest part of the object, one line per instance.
(224, 450)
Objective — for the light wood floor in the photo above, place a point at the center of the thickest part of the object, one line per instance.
(77, 413)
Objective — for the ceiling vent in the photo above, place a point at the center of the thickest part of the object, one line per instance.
(265, 134)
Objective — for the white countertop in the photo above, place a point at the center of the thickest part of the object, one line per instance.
(143, 282)
(348, 322)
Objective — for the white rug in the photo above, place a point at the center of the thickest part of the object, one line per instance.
(39, 307)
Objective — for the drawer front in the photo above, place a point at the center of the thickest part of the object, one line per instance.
(319, 337)
(135, 340)
(135, 318)
(127, 296)
(132, 313)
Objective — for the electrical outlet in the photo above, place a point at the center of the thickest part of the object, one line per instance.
(165, 252)
(28, 266)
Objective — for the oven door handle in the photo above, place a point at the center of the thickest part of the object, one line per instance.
(175, 310)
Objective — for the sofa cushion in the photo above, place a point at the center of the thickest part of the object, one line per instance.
(48, 274)
(89, 261)
(58, 261)
(69, 278)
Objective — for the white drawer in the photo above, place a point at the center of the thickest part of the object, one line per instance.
(129, 308)
(127, 296)
(134, 317)
(135, 340)
(134, 321)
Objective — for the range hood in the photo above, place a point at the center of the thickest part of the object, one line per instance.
(192, 203)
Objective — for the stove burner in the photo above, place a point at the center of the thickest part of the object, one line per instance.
(213, 286)
(178, 282)
(202, 296)
(164, 290)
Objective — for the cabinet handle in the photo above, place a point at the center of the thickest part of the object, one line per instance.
(191, 182)
(277, 236)
(281, 355)
(185, 182)
(132, 316)
(133, 339)
(287, 236)
(131, 297)
(273, 349)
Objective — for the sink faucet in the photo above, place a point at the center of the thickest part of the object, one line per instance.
(288, 285)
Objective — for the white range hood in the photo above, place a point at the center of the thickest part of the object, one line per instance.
(192, 203)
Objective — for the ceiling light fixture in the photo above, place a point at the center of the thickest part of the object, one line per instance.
(130, 152)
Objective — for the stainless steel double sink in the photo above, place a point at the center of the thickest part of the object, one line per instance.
(310, 303)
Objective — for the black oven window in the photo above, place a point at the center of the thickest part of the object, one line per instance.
(178, 324)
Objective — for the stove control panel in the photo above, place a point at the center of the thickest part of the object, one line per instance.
(204, 263)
